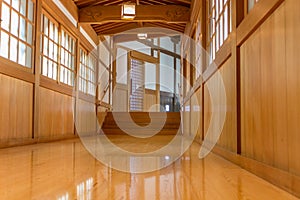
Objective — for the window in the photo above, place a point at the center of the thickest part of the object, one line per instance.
(57, 68)
(49, 47)
(17, 31)
(219, 24)
(87, 79)
(67, 58)
(251, 4)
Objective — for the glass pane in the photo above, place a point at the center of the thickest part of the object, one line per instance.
(14, 23)
(250, 4)
(30, 10)
(45, 50)
(15, 4)
(50, 49)
(28, 56)
(23, 7)
(51, 33)
(62, 71)
(62, 57)
(22, 52)
(50, 69)
(29, 33)
(45, 66)
(13, 47)
(22, 29)
(5, 17)
(4, 44)
(46, 21)
(55, 71)
(55, 33)
(55, 52)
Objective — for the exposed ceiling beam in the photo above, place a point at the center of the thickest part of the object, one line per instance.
(144, 13)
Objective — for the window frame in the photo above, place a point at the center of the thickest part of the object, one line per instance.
(15, 63)
(216, 15)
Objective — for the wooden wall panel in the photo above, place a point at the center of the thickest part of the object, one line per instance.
(270, 91)
(227, 139)
(293, 83)
(195, 115)
(86, 117)
(120, 98)
(150, 101)
(56, 114)
(16, 108)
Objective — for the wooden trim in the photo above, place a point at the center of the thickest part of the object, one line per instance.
(240, 11)
(57, 87)
(143, 57)
(29, 141)
(99, 14)
(282, 179)
(15, 70)
(260, 12)
(103, 104)
(238, 102)
(149, 91)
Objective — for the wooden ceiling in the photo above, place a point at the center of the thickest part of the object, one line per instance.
(104, 15)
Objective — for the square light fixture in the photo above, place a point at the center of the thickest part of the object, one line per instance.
(142, 36)
(128, 11)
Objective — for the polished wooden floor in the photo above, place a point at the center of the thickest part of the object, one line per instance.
(65, 170)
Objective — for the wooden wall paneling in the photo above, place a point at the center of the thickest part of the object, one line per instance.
(120, 98)
(150, 100)
(228, 137)
(16, 109)
(293, 83)
(250, 95)
(56, 115)
(195, 115)
(86, 117)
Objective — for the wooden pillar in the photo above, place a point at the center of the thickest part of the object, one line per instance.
(37, 71)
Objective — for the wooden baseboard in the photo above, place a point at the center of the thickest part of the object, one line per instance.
(282, 179)
(29, 141)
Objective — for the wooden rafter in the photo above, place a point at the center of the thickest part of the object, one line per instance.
(144, 13)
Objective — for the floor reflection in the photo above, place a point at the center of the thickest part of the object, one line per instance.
(65, 170)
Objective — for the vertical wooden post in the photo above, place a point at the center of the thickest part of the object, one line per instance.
(37, 71)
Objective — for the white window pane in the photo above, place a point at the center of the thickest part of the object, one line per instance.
(62, 71)
(28, 56)
(55, 52)
(29, 33)
(22, 29)
(45, 49)
(30, 10)
(46, 21)
(45, 66)
(5, 17)
(15, 4)
(55, 33)
(23, 7)
(51, 33)
(55, 71)
(4, 44)
(50, 49)
(14, 23)
(13, 47)
(50, 69)
(8, 1)
(62, 56)
(22, 52)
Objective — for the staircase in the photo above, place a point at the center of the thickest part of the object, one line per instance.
(142, 120)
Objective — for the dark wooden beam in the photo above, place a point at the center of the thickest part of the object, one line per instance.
(144, 13)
